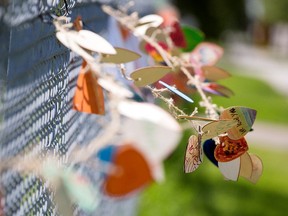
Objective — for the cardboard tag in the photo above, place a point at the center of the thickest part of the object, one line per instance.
(194, 154)
(148, 75)
(214, 73)
(229, 149)
(244, 118)
(132, 172)
(231, 169)
(68, 40)
(176, 91)
(214, 129)
(94, 42)
(206, 54)
(246, 166)
(208, 148)
(122, 56)
(89, 97)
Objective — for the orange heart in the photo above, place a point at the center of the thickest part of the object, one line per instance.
(89, 97)
(229, 149)
(132, 172)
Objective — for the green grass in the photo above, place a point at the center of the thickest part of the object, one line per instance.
(204, 192)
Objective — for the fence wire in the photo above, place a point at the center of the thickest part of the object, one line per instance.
(38, 78)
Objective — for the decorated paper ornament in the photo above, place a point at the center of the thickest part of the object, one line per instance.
(209, 148)
(193, 37)
(177, 35)
(151, 20)
(229, 149)
(213, 73)
(68, 40)
(257, 168)
(194, 154)
(148, 75)
(89, 97)
(206, 54)
(217, 89)
(231, 169)
(93, 42)
(122, 56)
(132, 172)
(244, 118)
(246, 166)
(213, 129)
(153, 130)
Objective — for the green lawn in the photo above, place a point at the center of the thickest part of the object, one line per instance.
(204, 192)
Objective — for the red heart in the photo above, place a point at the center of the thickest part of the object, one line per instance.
(229, 149)
(132, 172)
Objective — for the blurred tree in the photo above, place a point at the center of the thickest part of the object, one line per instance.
(275, 11)
(215, 16)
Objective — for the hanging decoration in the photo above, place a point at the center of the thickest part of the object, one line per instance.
(146, 134)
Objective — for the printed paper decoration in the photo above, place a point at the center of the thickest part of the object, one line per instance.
(194, 154)
(230, 150)
(245, 118)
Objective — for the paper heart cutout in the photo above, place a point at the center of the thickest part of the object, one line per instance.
(148, 75)
(208, 148)
(229, 149)
(94, 42)
(89, 97)
(206, 54)
(68, 40)
(246, 166)
(148, 126)
(230, 170)
(215, 128)
(151, 20)
(217, 89)
(177, 35)
(193, 155)
(244, 117)
(193, 37)
(133, 172)
(214, 73)
(257, 168)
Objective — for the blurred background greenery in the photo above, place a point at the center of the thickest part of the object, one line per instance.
(259, 26)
